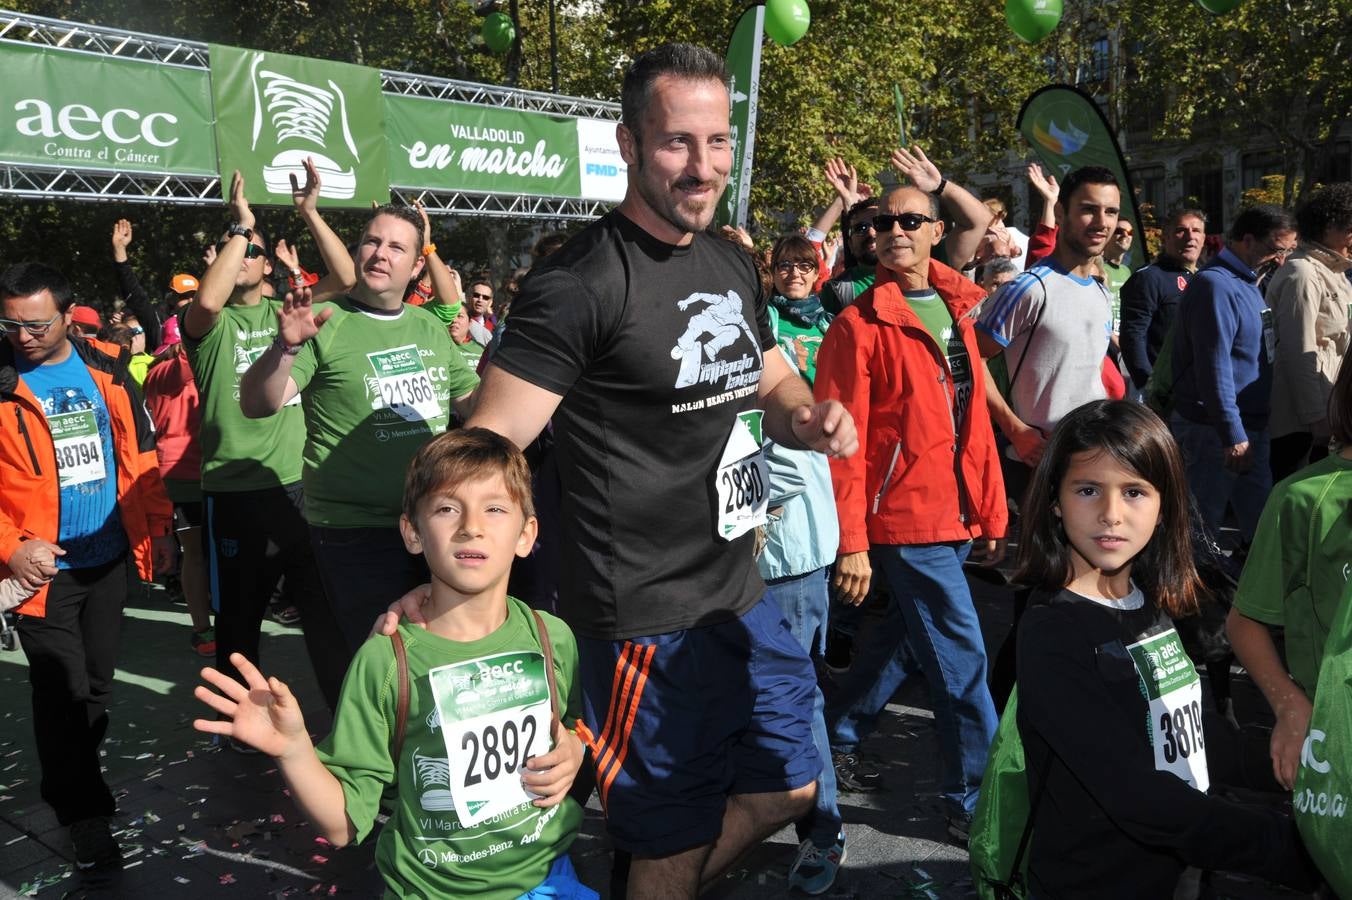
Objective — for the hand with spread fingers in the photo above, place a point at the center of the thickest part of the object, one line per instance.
(261, 712)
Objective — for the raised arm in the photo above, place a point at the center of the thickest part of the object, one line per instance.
(219, 280)
(1047, 187)
(130, 286)
(970, 216)
(445, 280)
(342, 271)
(844, 180)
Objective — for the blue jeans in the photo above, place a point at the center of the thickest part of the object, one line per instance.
(1213, 485)
(804, 601)
(930, 608)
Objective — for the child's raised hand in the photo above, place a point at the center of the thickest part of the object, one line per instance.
(264, 714)
(551, 775)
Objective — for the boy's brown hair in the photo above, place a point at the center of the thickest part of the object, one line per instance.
(466, 454)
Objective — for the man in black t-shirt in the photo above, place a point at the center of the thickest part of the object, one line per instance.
(645, 340)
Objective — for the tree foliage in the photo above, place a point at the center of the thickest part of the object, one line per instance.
(1275, 69)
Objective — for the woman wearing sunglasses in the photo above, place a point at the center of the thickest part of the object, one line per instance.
(796, 314)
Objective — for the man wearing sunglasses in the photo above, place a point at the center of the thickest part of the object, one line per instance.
(968, 214)
(82, 497)
(251, 468)
(924, 490)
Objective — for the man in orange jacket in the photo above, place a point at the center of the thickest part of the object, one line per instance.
(926, 485)
(82, 490)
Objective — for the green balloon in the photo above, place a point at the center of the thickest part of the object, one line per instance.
(1218, 7)
(786, 20)
(1033, 20)
(498, 32)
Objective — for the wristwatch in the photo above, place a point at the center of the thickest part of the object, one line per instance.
(238, 229)
(939, 189)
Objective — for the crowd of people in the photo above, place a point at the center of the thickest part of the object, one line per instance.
(592, 540)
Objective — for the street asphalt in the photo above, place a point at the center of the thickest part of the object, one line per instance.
(199, 821)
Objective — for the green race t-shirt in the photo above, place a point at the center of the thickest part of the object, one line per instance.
(375, 386)
(933, 314)
(1114, 277)
(472, 351)
(1298, 569)
(240, 454)
(424, 850)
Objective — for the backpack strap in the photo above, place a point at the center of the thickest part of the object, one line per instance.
(401, 704)
(548, 649)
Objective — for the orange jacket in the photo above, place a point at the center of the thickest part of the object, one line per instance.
(913, 480)
(30, 503)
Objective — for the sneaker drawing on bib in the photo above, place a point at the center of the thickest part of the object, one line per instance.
(432, 778)
(307, 120)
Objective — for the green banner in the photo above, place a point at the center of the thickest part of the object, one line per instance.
(744, 55)
(274, 110)
(67, 108)
(1067, 130)
(446, 146)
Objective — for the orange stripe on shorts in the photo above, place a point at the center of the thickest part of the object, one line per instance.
(637, 697)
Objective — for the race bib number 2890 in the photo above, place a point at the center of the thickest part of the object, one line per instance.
(742, 479)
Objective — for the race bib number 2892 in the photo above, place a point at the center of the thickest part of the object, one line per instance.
(495, 714)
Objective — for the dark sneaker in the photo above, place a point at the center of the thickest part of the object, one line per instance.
(284, 615)
(959, 827)
(814, 870)
(855, 776)
(94, 844)
(204, 642)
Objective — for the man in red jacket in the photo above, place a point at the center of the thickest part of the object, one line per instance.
(927, 484)
(82, 494)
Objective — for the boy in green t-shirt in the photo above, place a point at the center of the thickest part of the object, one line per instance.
(482, 807)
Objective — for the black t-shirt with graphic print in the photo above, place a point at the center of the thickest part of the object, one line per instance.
(655, 350)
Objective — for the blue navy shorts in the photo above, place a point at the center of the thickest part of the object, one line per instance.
(676, 722)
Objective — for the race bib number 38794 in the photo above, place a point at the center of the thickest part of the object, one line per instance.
(79, 449)
(495, 715)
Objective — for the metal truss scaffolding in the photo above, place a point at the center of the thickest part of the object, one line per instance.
(64, 183)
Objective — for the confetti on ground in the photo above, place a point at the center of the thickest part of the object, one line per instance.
(277, 819)
(321, 860)
(227, 878)
(181, 880)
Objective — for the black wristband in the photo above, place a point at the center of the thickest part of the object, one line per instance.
(939, 191)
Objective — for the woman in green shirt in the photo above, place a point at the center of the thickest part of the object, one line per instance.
(796, 314)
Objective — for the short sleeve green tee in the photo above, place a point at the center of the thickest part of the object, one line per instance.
(375, 386)
(933, 313)
(1297, 573)
(238, 453)
(423, 850)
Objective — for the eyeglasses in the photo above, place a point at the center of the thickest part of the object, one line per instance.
(36, 329)
(1122, 232)
(136, 331)
(862, 227)
(477, 296)
(802, 268)
(251, 250)
(908, 221)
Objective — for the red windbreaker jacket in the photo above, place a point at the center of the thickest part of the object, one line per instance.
(916, 478)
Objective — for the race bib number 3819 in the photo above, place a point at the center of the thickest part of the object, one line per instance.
(495, 715)
(1174, 691)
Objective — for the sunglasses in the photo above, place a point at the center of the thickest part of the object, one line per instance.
(36, 329)
(802, 268)
(1122, 232)
(862, 227)
(135, 331)
(475, 296)
(251, 250)
(908, 221)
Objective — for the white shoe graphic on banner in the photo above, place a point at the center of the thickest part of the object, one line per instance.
(303, 113)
